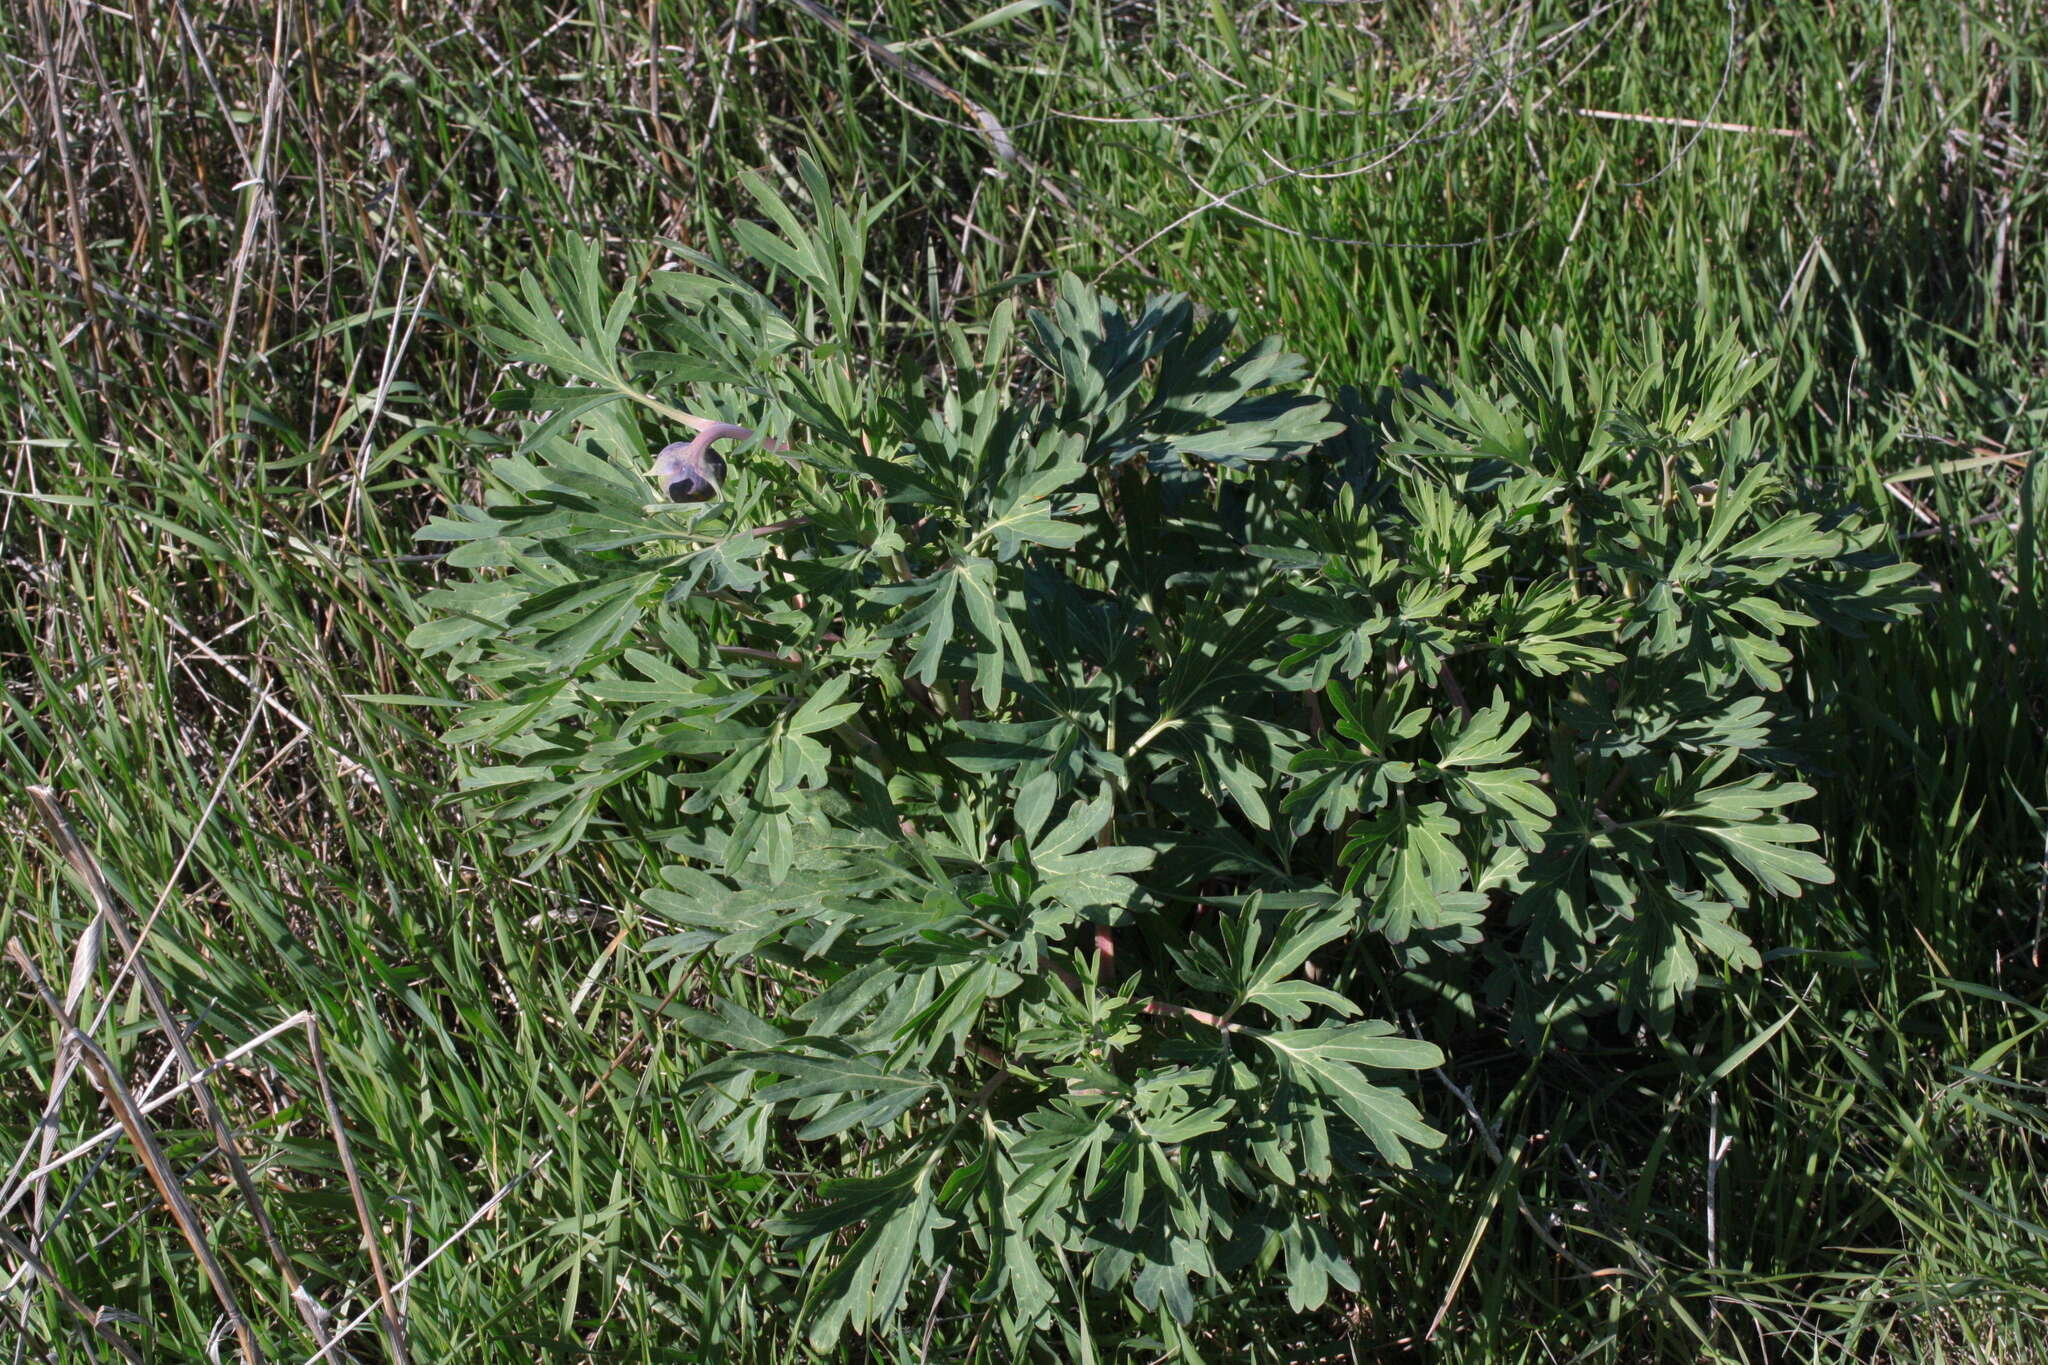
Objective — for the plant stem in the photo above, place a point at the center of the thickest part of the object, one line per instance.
(1219, 1022)
(1158, 728)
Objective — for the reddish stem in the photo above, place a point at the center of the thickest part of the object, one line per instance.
(1105, 952)
(1215, 1021)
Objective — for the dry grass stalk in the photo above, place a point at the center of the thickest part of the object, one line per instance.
(92, 1317)
(107, 1078)
(110, 913)
(84, 962)
(394, 1330)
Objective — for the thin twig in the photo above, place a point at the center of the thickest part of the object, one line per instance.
(931, 1319)
(998, 137)
(1705, 125)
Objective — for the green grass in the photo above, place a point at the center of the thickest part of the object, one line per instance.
(230, 404)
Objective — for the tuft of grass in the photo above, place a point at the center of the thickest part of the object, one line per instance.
(243, 249)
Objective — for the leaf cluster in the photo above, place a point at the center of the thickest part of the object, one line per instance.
(1059, 750)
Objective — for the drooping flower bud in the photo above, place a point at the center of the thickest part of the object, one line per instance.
(691, 471)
